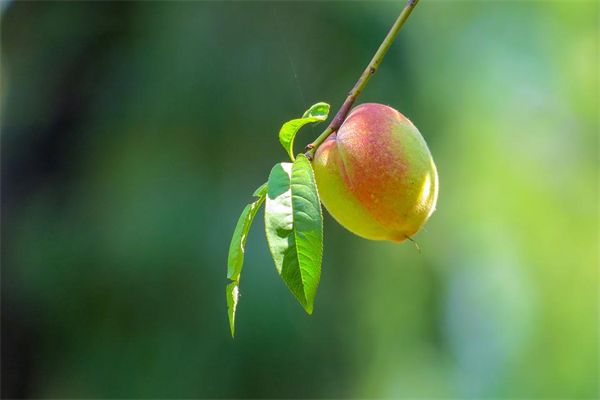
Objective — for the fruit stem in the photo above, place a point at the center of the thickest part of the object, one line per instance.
(340, 116)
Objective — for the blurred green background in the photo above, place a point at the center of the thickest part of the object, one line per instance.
(133, 134)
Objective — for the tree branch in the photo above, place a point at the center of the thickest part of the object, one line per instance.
(340, 116)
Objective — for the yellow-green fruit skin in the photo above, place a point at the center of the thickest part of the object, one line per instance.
(376, 176)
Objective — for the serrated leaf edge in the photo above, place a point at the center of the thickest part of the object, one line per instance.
(304, 302)
(308, 307)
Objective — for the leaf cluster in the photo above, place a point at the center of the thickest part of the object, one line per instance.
(293, 222)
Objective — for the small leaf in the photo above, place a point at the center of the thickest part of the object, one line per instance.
(232, 293)
(261, 191)
(317, 113)
(235, 259)
(294, 228)
(319, 110)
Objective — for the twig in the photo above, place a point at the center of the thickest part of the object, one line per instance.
(340, 116)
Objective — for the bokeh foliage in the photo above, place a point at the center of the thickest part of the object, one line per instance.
(134, 132)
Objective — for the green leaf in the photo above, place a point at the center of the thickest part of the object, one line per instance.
(235, 259)
(261, 191)
(317, 113)
(319, 110)
(294, 228)
(232, 292)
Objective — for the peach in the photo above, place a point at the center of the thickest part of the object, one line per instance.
(376, 176)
